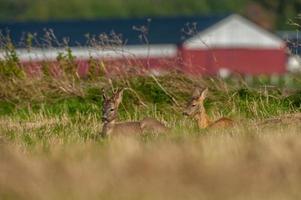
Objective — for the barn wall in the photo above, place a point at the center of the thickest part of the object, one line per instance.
(127, 59)
(237, 60)
(193, 61)
(118, 66)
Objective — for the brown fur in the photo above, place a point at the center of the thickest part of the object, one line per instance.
(196, 109)
(111, 127)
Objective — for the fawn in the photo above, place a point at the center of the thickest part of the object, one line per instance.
(196, 109)
(111, 127)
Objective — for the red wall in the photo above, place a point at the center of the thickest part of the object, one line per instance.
(134, 66)
(195, 62)
(237, 60)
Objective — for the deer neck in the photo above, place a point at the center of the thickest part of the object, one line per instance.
(202, 118)
(107, 128)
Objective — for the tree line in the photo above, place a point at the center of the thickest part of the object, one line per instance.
(269, 13)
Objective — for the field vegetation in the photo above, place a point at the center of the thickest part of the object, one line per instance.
(49, 147)
(275, 13)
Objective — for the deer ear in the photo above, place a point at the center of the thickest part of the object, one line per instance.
(196, 92)
(204, 93)
(118, 96)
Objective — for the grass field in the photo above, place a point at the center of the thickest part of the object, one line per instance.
(48, 148)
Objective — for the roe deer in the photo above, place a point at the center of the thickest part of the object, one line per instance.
(196, 109)
(111, 127)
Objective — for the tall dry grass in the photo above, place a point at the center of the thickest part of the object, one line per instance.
(48, 126)
(58, 158)
(233, 164)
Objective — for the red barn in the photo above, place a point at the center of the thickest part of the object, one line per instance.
(197, 45)
(234, 44)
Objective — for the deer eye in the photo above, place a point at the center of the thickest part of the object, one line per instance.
(112, 109)
(193, 105)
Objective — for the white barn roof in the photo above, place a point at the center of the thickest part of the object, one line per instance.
(234, 32)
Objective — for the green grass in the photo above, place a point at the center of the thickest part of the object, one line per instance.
(75, 9)
(49, 148)
(38, 10)
(42, 100)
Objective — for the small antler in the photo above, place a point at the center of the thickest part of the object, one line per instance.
(103, 92)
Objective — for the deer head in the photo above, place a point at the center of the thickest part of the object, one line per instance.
(111, 105)
(196, 104)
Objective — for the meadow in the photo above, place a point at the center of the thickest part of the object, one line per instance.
(49, 147)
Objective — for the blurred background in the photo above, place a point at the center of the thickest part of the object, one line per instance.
(272, 14)
(57, 57)
(160, 33)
